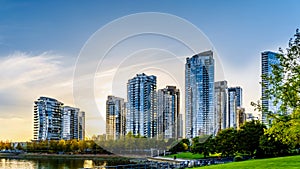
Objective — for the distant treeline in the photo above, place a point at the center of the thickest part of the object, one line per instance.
(55, 146)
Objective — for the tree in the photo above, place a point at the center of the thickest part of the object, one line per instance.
(82, 145)
(53, 145)
(203, 145)
(74, 145)
(285, 89)
(226, 142)
(61, 145)
(272, 147)
(2, 145)
(249, 136)
(181, 146)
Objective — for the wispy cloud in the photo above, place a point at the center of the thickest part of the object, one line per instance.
(21, 68)
(26, 76)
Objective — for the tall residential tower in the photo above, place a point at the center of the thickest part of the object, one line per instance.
(234, 101)
(70, 123)
(168, 107)
(267, 60)
(142, 102)
(220, 105)
(199, 95)
(47, 119)
(53, 121)
(115, 118)
(81, 122)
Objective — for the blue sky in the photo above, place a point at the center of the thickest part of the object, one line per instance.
(45, 37)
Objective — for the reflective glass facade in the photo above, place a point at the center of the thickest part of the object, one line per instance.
(234, 101)
(168, 107)
(142, 106)
(220, 105)
(115, 117)
(70, 123)
(199, 95)
(53, 121)
(267, 60)
(81, 121)
(47, 119)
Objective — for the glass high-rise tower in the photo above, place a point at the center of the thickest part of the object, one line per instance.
(199, 95)
(234, 101)
(47, 119)
(142, 102)
(70, 123)
(220, 105)
(267, 60)
(115, 117)
(81, 122)
(168, 107)
(53, 121)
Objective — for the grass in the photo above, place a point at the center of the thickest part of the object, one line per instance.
(189, 155)
(290, 162)
(186, 155)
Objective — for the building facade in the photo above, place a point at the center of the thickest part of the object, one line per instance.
(81, 122)
(115, 118)
(168, 107)
(142, 106)
(199, 95)
(220, 105)
(53, 121)
(70, 123)
(47, 119)
(267, 60)
(181, 126)
(234, 101)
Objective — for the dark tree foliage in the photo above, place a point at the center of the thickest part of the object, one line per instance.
(226, 142)
(270, 147)
(203, 145)
(182, 146)
(249, 136)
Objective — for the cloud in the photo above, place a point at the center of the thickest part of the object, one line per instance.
(25, 77)
(21, 68)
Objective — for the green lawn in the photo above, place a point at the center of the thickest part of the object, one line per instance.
(186, 155)
(290, 162)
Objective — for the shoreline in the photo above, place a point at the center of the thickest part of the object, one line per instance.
(65, 156)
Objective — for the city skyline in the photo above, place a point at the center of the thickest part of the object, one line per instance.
(38, 48)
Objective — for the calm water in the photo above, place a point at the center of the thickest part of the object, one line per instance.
(54, 163)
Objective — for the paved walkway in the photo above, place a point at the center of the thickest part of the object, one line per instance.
(166, 159)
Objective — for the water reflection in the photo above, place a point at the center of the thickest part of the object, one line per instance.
(88, 164)
(14, 164)
(57, 163)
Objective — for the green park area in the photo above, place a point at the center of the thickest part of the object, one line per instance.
(189, 155)
(186, 155)
(289, 162)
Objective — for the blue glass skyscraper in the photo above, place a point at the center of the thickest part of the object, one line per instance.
(53, 121)
(142, 102)
(199, 95)
(47, 119)
(168, 107)
(267, 60)
(235, 97)
(115, 117)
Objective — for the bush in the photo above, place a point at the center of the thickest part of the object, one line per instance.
(238, 158)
